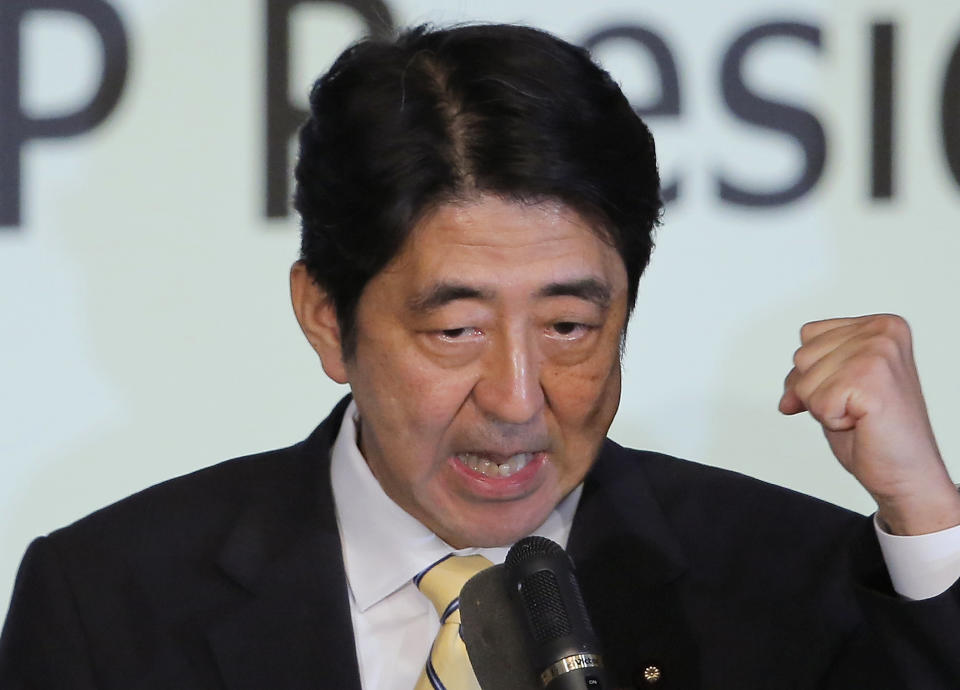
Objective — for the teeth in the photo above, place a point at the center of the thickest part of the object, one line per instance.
(488, 468)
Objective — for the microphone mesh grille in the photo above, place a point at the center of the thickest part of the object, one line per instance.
(541, 595)
(532, 547)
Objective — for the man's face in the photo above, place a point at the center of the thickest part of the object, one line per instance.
(486, 368)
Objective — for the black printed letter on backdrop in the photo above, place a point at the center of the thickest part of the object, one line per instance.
(669, 102)
(750, 107)
(950, 114)
(882, 120)
(284, 118)
(16, 128)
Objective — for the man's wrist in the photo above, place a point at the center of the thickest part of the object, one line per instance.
(922, 512)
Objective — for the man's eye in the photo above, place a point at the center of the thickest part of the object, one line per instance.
(569, 329)
(457, 333)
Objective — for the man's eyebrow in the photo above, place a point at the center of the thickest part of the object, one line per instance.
(442, 294)
(589, 289)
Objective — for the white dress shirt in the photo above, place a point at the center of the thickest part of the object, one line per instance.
(384, 547)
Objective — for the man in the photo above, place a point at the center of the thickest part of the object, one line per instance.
(477, 209)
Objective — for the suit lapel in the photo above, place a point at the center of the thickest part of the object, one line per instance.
(629, 565)
(291, 627)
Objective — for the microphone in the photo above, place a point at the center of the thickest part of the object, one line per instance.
(563, 647)
(499, 647)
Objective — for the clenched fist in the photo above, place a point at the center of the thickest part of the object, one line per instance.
(857, 377)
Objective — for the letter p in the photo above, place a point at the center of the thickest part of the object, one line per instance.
(16, 127)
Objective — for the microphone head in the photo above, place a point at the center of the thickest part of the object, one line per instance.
(497, 644)
(534, 547)
(543, 577)
(542, 581)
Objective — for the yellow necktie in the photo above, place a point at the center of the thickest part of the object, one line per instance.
(448, 667)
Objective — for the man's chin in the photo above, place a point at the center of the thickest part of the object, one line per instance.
(498, 525)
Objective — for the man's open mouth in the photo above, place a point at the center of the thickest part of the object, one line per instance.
(495, 466)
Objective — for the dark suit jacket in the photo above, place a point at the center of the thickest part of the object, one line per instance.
(232, 577)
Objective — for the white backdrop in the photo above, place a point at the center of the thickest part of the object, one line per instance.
(144, 318)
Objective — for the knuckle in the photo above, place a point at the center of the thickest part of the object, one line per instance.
(882, 350)
(887, 350)
(807, 330)
(818, 404)
(888, 338)
(827, 402)
(878, 363)
(799, 358)
(892, 326)
(804, 359)
(803, 388)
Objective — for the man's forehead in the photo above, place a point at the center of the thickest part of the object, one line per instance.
(491, 219)
(495, 234)
(491, 247)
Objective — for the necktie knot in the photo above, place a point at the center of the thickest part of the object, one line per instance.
(442, 581)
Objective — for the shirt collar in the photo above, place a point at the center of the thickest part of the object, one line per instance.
(383, 545)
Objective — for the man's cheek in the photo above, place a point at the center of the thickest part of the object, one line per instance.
(438, 400)
(584, 388)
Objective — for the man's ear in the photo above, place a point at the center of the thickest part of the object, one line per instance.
(317, 316)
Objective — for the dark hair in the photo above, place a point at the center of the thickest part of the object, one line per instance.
(398, 127)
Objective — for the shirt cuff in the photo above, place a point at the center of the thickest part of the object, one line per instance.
(921, 566)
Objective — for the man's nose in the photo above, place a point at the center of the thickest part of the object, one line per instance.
(509, 387)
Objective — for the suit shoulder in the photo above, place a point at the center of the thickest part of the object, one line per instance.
(683, 486)
(192, 507)
(187, 514)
